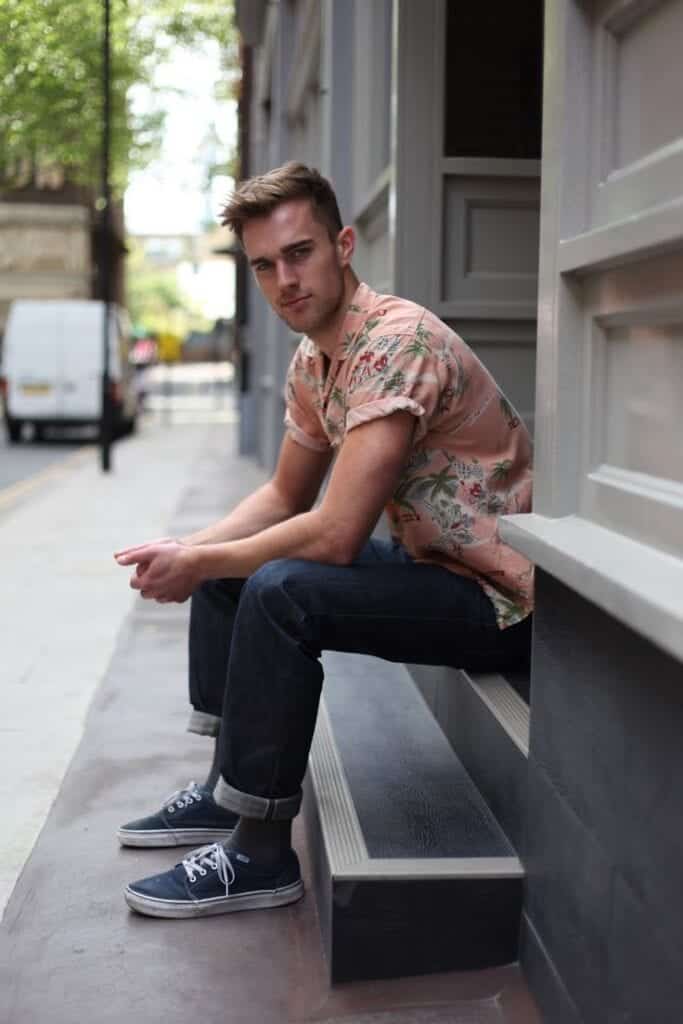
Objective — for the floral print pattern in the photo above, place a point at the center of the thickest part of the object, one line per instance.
(471, 456)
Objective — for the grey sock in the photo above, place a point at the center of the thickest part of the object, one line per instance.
(263, 841)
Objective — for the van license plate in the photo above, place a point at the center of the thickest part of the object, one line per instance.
(36, 389)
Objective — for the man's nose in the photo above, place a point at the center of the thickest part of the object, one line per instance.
(286, 275)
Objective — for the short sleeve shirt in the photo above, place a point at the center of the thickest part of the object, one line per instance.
(470, 460)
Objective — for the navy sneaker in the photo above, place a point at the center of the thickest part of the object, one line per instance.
(213, 880)
(190, 817)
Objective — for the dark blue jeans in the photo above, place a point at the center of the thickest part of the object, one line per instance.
(255, 649)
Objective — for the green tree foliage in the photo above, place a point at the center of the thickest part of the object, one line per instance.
(154, 298)
(51, 80)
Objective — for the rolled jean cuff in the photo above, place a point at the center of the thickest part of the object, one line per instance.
(260, 807)
(203, 723)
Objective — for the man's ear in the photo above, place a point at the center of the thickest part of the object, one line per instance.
(346, 243)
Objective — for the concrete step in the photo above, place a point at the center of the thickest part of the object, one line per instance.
(412, 872)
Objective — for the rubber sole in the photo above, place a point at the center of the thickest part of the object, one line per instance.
(219, 905)
(179, 837)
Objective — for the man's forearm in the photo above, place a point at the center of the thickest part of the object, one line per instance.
(310, 536)
(262, 509)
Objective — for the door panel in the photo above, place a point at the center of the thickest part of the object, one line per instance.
(466, 179)
(490, 244)
(637, 134)
(610, 388)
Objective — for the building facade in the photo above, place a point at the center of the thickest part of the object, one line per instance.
(518, 169)
(46, 253)
(50, 246)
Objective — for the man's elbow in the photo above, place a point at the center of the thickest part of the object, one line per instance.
(342, 548)
(339, 541)
(340, 556)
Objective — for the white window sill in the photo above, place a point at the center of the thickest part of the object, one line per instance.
(638, 585)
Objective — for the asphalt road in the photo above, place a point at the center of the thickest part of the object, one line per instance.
(184, 393)
(20, 461)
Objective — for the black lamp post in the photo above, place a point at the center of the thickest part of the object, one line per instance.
(105, 247)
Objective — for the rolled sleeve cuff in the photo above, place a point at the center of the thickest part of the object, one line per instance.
(316, 444)
(385, 407)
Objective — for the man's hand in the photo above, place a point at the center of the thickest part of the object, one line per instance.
(165, 571)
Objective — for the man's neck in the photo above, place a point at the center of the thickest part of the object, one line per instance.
(327, 339)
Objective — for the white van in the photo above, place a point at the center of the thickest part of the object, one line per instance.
(52, 366)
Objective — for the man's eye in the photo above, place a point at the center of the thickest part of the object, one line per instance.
(299, 254)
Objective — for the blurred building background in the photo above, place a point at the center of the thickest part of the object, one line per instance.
(170, 70)
(49, 243)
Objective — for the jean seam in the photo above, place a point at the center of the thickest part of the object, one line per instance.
(451, 619)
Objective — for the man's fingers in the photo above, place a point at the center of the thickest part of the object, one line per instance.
(136, 548)
(140, 580)
(129, 558)
(129, 551)
(143, 555)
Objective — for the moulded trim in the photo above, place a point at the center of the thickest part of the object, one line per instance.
(636, 584)
(636, 237)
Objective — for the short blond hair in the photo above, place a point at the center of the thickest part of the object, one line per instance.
(259, 196)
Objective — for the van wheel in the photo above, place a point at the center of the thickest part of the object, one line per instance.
(123, 428)
(13, 430)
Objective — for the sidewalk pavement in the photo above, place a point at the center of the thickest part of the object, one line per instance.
(92, 734)
(64, 600)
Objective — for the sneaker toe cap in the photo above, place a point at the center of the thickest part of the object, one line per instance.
(165, 886)
(150, 823)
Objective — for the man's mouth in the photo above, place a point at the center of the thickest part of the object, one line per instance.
(294, 303)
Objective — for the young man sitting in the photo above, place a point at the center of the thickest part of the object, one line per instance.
(416, 427)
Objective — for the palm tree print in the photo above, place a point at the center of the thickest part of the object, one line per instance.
(337, 396)
(463, 379)
(499, 473)
(396, 382)
(419, 345)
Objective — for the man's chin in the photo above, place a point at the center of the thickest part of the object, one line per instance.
(311, 319)
(300, 324)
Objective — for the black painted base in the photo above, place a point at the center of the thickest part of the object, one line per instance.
(388, 929)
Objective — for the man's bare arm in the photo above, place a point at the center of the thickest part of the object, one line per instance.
(364, 477)
(292, 490)
(363, 480)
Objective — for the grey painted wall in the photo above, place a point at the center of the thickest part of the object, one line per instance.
(604, 843)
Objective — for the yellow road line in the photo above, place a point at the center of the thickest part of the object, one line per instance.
(9, 495)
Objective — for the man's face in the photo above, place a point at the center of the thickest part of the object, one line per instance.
(298, 267)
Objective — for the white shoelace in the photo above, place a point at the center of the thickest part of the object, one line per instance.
(214, 857)
(183, 797)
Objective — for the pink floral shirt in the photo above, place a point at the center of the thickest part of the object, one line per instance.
(471, 455)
